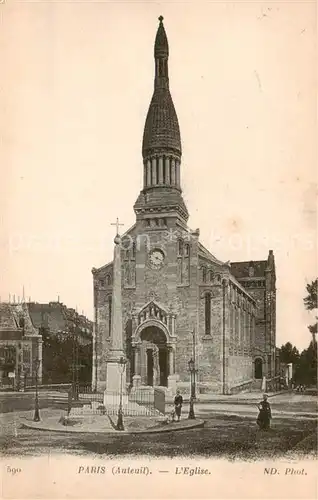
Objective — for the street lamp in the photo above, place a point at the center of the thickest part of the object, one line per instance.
(192, 395)
(36, 417)
(120, 422)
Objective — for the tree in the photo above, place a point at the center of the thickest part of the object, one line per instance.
(288, 353)
(306, 368)
(311, 303)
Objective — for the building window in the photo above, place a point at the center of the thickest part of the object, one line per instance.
(109, 315)
(211, 275)
(258, 368)
(180, 248)
(134, 250)
(186, 250)
(108, 280)
(102, 283)
(204, 274)
(207, 313)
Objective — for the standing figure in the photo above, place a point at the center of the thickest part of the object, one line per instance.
(265, 414)
(178, 400)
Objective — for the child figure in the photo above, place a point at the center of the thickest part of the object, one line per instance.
(178, 401)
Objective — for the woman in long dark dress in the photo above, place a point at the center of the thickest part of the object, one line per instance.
(265, 414)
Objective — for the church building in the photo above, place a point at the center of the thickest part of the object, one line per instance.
(179, 302)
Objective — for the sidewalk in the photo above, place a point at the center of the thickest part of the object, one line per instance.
(227, 398)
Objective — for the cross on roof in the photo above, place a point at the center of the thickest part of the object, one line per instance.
(117, 224)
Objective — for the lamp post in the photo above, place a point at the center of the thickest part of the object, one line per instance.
(75, 364)
(36, 417)
(120, 422)
(193, 388)
(192, 394)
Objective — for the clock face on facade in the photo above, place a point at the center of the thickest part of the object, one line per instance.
(156, 259)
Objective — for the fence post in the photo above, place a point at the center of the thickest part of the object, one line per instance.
(69, 401)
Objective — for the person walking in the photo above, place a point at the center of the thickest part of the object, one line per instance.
(265, 414)
(178, 401)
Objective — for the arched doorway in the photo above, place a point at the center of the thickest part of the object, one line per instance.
(154, 357)
(258, 368)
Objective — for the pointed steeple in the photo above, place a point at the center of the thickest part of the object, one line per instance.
(161, 146)
(161, 133)
(161, 42)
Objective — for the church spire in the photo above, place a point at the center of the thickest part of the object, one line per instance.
(161, 146)
(161, 53)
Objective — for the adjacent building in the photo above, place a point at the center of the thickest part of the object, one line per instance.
(20, 346)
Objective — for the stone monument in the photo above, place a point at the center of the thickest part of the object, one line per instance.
(115, 371)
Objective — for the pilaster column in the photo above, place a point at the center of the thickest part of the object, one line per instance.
(148, 173)
(156, 368)
(173, 172)
(239, 328)
(171, 361)
(136, 360)
(154, 171)
(167, 165)
(173, 324)
(178, 173)
(161, 170)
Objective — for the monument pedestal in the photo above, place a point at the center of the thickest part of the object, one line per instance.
(136, 382)
(115, 383)
(172, 384)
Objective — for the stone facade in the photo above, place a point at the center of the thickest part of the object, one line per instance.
(178, 300)
(20, 346)
(259, 279)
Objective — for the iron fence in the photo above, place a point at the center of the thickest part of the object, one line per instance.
(134, 403)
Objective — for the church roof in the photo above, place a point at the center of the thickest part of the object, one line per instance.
(208, 255)
(161, 130)
(241, 269)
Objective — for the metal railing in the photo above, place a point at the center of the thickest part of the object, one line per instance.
(134, 403)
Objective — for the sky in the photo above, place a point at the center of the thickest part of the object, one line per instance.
(76, 86)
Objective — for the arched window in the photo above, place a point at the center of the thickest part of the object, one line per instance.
(134, 250)
(211, 275)
(102, 283)
(258, 368)
(207, 313)
(109, 315)
(204, 274)
(186, 250)
(108, 280)
(180, 247)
